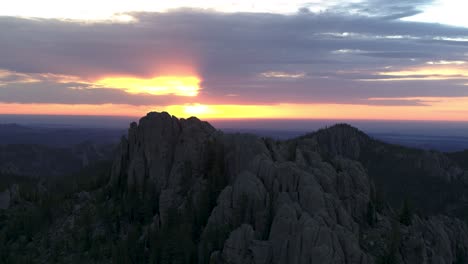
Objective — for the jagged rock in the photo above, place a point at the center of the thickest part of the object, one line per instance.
(261, 251)
(436, 240)
(240, 152)
(167, 201)
(236, 248)
(244, 202)
(160, 148)
(250, 202)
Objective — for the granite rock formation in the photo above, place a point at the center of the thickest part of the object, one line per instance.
(300, 201)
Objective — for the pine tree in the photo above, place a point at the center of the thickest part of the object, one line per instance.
(406, 215)
(393, 244)
(371, 214)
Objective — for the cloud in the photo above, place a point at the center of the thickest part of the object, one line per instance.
(390, 10)
(58, 89)
(261, 58)
(285, 75)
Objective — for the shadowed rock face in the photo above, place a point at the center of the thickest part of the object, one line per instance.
(252, 200)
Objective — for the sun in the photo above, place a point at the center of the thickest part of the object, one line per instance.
(161, 85)
(196, 109)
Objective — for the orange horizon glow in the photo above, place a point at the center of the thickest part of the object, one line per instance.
(438, 109)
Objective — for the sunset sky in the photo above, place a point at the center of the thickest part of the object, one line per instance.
(353, 59)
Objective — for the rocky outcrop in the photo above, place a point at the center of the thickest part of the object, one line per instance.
(166, 153)
(301, 201)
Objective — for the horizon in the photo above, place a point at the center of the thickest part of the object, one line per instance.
(445, 136)
(398, 127)
(217, 119)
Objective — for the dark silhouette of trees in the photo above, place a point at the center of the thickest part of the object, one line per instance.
(406, 214)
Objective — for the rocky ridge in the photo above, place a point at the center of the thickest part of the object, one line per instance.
(300, 201)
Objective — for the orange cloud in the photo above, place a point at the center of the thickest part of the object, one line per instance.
(161, 85)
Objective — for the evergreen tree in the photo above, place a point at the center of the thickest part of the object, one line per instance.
(393, 245)
(371, 214)
(406, 214)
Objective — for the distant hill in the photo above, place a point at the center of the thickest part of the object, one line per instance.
(53, 151)
(420, 141)
(433, 181)
(45, 161)
(57, 136)
(427, 142)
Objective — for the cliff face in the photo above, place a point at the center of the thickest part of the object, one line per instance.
(243, 199)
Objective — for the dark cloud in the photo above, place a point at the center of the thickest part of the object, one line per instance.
(334, 50)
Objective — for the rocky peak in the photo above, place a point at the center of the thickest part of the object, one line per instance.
(158, 146)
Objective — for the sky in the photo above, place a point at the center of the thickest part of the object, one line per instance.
(353, 59)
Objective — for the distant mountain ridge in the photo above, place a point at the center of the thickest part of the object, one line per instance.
(180, 191)
(53, 151)
(56, 136)
(45, 161)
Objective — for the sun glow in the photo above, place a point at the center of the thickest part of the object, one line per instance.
(161, 85)
(197, 109)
